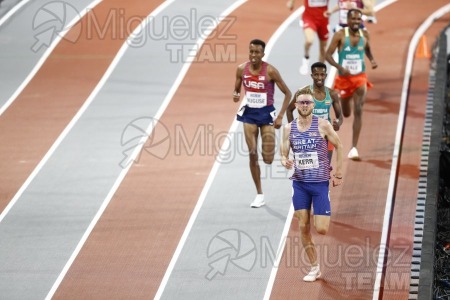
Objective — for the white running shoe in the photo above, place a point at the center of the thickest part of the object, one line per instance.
(304, 67)
(313, 274)
(372, 19)
(258, 202)
(353, 154)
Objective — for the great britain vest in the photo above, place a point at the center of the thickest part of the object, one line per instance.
(311, 163)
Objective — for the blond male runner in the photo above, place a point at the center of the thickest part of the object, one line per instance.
(308, 137)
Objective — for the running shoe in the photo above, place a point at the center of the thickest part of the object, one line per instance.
(258, 202)
(353, 154)
(313, 274)
(305, 66)
(372, 19)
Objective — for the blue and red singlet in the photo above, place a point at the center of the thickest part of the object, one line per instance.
(258, 89)
(311, 163)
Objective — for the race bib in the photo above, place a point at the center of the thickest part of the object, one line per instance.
(322, 116)
(317, 3)
(353, 65)
(256, 100)
(307, 160)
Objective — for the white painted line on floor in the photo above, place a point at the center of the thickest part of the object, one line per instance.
(329, 82)
(203, 194)
(13, 11)
(398, 138)
(124, 171)
(44, 57)
(279, 254)
(43, 160)
(137, 150)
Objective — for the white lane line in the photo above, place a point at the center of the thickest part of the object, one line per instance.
(398, 138)
(279, 254)
(13, 11)
(384, 4)
(117, 58)
(137, 150)
(54, 146)
(329, 82)
(46, 54)
(203, 194)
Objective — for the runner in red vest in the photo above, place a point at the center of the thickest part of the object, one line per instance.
(314, 20)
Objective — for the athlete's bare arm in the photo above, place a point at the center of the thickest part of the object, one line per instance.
(285, 146)
(238, 83)
(368, 51)
(337, 109)
(276, 77)
(291, 108)
(368, 9)
(327, 131)
(290, 4)
(331, 11)
(335, 45)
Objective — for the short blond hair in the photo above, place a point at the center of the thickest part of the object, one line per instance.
(306, 90)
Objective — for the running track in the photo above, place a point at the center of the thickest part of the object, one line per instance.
(79, 221)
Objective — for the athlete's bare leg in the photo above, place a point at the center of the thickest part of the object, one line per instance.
(323, 48)
(304, 226)
(309, 39)
(321, 223)
(346, 106)
(358, 103)
(251, 132)
(268, 143)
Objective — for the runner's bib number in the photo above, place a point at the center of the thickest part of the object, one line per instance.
(322, 116)
(353, 65)
(256, 100)
(307, 160)
(317, 3)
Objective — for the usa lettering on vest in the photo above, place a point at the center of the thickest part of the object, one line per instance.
(254, 84)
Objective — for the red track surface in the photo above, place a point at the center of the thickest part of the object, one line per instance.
(128, 252)
(349, 253)
(44, 108)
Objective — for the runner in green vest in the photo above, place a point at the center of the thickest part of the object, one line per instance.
(352, 44)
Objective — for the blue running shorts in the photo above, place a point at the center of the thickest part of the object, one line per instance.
(316, 193)
(258, 116)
